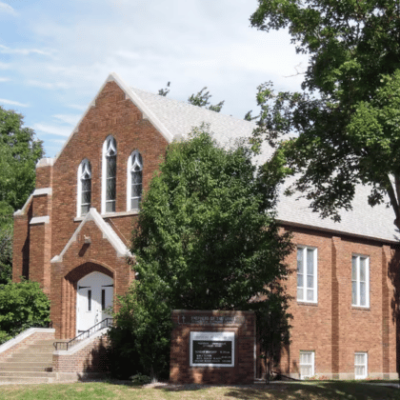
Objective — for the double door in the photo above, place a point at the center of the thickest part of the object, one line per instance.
(95, 294)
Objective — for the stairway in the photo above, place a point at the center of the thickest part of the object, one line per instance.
(30, 364)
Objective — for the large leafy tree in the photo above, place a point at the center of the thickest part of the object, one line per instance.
(19, 153)
(206, 239)
(347, 118)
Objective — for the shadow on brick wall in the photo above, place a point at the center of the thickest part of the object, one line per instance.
(394, 275)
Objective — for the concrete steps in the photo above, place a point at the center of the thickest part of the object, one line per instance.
(31, 364)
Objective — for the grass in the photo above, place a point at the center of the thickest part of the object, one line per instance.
(280, 391)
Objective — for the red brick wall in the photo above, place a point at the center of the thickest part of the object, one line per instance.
(112, 115)
(242, 372)
(92, 359)
(333, 328)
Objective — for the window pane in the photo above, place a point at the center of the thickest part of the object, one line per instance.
(306, 371)
(85, 209)
(310, 262)
(110, 189)
(299, 293)
(310, 281)
(300, 261)
(137, 177)
(362, 269)
(136, 190)
(354, 293)
(354, 268)
(111, 166)
(86, 197)
(135, 203)
(310, 294)
(300, 280)
(363, 299)
(110, 206)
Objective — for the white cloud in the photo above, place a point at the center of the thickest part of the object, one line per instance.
(77, 107)
(4, 65)
(6, 8)
(47, 85)
(70, 119)
(23, 52)
(56, 141)
(13, 103)
(52, 129)
(5, 79)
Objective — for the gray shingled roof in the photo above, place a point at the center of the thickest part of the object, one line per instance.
(365, 221)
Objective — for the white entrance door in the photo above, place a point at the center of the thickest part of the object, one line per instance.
(95, 294)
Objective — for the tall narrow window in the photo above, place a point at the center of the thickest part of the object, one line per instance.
(307, 274)
(135, 179)
(361, 365)
(84, 188)
(307, 364)
(109, 178)
(360, 281)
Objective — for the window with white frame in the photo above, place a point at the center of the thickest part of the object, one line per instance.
(109, 175)
(361, 365)
(307, 274)
(360, 281)
(84, 188)
(307, 364)
(135, 180)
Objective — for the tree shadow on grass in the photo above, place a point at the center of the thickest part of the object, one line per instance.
(327, 390)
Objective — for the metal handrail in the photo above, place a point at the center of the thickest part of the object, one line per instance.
(106, 323)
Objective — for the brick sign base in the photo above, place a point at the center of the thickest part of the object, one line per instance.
(216, 347)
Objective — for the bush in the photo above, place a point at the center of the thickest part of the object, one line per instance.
(22, 305)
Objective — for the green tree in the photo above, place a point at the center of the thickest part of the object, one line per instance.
(22, 305)
(19, 153)
(206, 239)
(202, 99)
(347, 117)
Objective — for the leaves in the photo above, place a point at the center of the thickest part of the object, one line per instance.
(206, 239)
(346, 120)
(22, 305)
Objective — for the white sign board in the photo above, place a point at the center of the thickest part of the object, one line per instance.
(212, 349)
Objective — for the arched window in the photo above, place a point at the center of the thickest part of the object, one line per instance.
(109, 175)
(135, 179)
(84, 187)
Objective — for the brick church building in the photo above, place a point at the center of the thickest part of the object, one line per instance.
(73, 236)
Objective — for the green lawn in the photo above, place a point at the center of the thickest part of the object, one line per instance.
(281, 391)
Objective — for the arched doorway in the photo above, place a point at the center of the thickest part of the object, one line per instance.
(94, 302)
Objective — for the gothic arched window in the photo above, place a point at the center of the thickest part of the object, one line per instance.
(109, 175)
(84, 187)
(135, 180)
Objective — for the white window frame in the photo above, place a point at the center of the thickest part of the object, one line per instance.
(365, 364)
(312, 352)
(104, 174)
(358, 281)
(315, 274)
(129, 179)
(79, 180)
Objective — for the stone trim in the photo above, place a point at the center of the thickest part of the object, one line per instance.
(43, 191)
(22, 336)
(106, 229)
(40, 220)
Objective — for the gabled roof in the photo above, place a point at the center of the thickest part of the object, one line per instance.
(105, 228)
(175, 119)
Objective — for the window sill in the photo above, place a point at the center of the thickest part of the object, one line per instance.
(360, 308)
(306, 303)
(112, 215)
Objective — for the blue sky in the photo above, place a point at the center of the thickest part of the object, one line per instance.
(54, 56)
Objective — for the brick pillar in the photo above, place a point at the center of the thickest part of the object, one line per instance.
(336, 249)
(386, 256)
